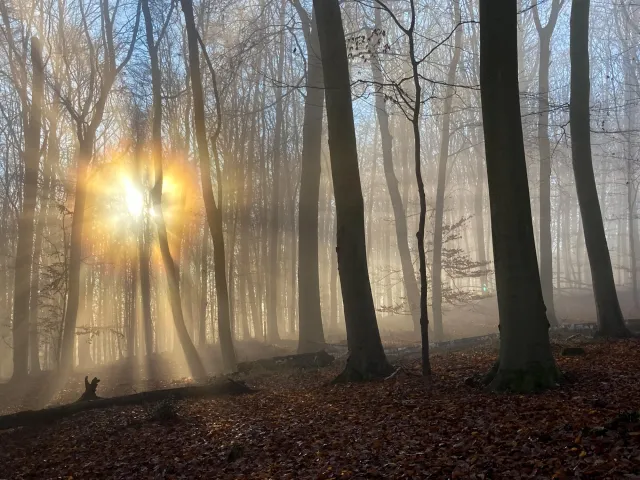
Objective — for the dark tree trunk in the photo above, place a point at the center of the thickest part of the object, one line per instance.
(610, 321)
(525, 361)
(214, 215)
(367, 358)
(171, 270)
(311, 333)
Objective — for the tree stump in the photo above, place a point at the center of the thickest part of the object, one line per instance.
(89, 390)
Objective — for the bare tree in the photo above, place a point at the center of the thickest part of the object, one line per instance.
(214, 215)
(544, 148)
(610, 321)
(525, 360)
(442, 178)
(366, 355)
(311, 334)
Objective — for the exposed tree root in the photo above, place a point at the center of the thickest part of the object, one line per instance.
(47, 415)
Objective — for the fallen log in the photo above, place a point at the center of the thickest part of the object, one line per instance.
(39, 417)
(301, 360)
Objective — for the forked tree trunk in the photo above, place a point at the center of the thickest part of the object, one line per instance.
(610, 321)
(171, 271)
(24, 253)
(399, 214)
(367, 358)
(214, 215)
(544, 149)
(311, 332)
(525, 361)
(436, 288)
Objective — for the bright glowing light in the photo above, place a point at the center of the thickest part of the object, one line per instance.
(133, 198)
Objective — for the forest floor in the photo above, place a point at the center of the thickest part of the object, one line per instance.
(299, 426)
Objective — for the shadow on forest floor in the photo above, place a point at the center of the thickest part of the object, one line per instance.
(299, 427)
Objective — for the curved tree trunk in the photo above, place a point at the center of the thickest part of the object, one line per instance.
(171, 270)
(525, 361)
(367, 358)
(610, 321)
(438, 331)
(400, 217)
(214, 215)
(311, 332)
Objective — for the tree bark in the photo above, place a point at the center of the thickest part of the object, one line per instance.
(399, 213)
(311, 332)
(171, 271)
(214, 215)
(24, 253)
(367, 358)
(436, 268)
(609, 315)
(274, 224)
(544, 149)
(525, 360)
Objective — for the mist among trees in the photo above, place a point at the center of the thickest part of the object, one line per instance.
(191, 187)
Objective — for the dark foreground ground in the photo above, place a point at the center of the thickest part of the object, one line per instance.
(299, 427)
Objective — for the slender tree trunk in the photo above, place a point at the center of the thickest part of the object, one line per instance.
(610, 321)
(367, 358)
(85, 152)
(214, 215)
(436, 268)
(204, 288)
(399, 213)
(525, 361)
(274, 225)
(544, 149)
(171, 271)
(310, 333)
(52, 156)
(24, 253)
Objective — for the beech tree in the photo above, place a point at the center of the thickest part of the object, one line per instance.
(609, 315)
(366, 355)
(525, 361)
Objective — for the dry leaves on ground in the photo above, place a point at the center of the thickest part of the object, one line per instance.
(300, 427)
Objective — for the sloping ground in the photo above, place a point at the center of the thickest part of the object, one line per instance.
(299, 427)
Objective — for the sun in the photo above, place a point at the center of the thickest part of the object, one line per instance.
(133, 197)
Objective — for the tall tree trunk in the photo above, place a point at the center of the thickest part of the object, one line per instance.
(52, 157)
(400, 217)
(367, 358)
(214, 215)
(171, 271)
(274, 224)
(67, 348)
(310, 333)
(525, 361)
(610, 321)
(544, 149)
(436, 268)
(204, 288)
(24, 253)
